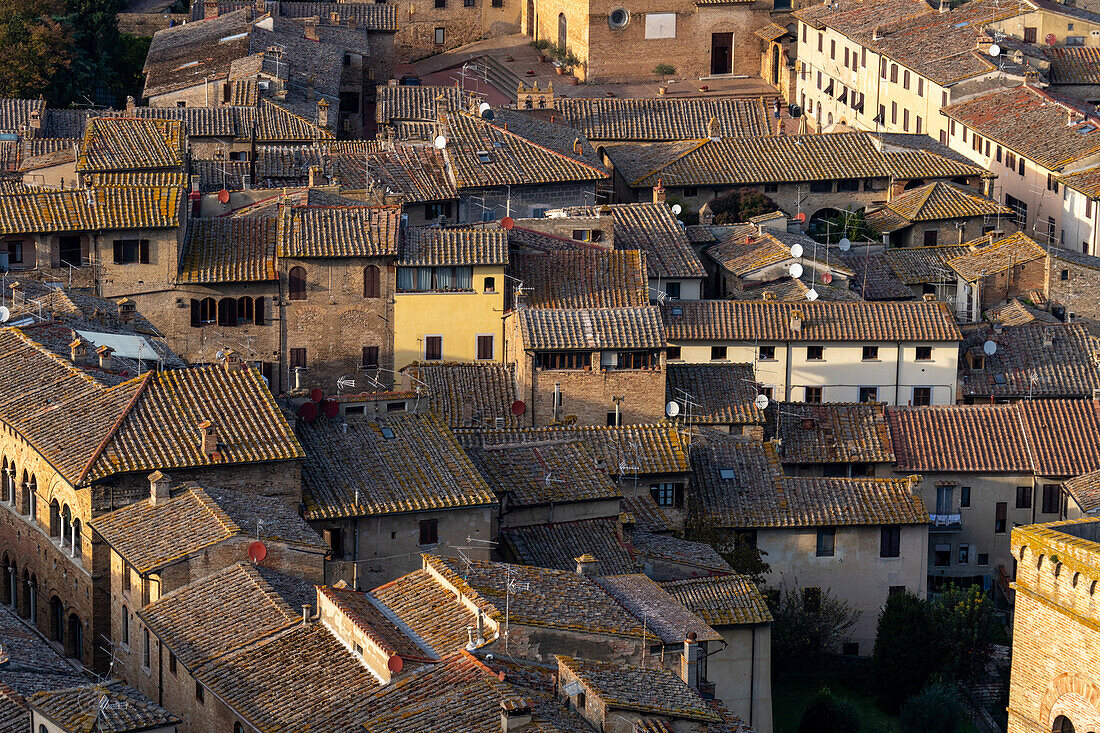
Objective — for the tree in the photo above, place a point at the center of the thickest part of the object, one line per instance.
(905, 654)
(740, 205)
(936, 710)
(36, 45)
(827, 714)
(808, 623)
(965, 627)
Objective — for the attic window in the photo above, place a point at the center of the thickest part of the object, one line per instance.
(1085, 129)
(727, 473)
(677, 311)
(999, 378)
(388, 433)
(484, 157)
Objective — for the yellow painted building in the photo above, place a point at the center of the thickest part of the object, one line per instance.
(449, 302)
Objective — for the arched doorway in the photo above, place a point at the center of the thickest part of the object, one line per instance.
(57, 619)
(563, 34)
(1062, 724)
(823, 223)
(74, 643)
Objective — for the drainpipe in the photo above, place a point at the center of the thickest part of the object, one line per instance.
(897, 379)
(752, 678)
(787, 378)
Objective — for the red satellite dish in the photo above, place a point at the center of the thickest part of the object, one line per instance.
(395, 664)
(1051, 39)
(308, 411)
(317, 394)
(330, 408)
(800, 216)
(827, 278)
(518, 408)
(257, 551)
(223, 196)
(507, 223)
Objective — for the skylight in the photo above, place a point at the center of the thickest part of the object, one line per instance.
(388, 433)
(483, 156)
(1086, 129)
(727, 473)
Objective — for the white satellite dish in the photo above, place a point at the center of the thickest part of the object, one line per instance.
(811, 295)
(994, 50)
(5, 314)
(220, 355)
(990, 347)
(845, 244)
(440, 142)
(796, 270)
(796, 250)
(483, 108)
(672, 409)
(761, 402)
(676, 209)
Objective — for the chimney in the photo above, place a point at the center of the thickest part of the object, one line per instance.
(706, 216)
(712, 128)
(515, 714)
(767, 295)
(944, 6)
(310, 29)
(305, 614)
(578, 149)
(127, 309)
(334, 18)
(210, 9)
(322, 113)
(1048, 337)
(159, 487)
(878, 32)
(586, 564)
(689, 662)
(209, 435)
(106, 363)
(659, 193)
(796, 320)
(627, 523)
(36, 122)
(315, 176)
(929, 298)
(78, 351)
(131, 105)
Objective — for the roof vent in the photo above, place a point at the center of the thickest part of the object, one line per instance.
(796, 321)
(106, 363)
(159, 487)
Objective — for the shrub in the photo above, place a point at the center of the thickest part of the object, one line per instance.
(936, 710)
(664, 69)
(826, 714)
(904, 653)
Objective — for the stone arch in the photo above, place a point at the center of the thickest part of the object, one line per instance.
(4, 480)
(1039, 562)
(66, 523)
(5, 585)
(915, 183)
(1073, 696)
(1023, 551)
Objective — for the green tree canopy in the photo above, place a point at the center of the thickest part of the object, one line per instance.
(905, 654)
(36, 47)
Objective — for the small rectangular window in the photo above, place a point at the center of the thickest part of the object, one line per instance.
(896, 589)
(334, 538)
(673, 353)
(922, 396)
(433, 348)
(964, 554)
(1023, 497)
(870, 353)
(200, 693)
(905, 79)
(298, 358)
(815, 352)
(920, 86)
(1052, 498)
(983, 558)
(439, 33)
(964, 496)
(813, 394)
(826, 541)
(868, 394)
(832, 48)
(767, 353)
(485, 347)
(1001, 518)
(429, 531)
(890, 542)
(172, 662)
(717, 353)
(370, 357)
(924, 353)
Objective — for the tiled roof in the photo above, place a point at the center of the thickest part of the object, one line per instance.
(160, 430)
(771, 32)
(488, 388)
(148, 536)
(742, 254)
(431, 246)
(558, 545)
(724, 600)
(221, 250)
(875, 280)
(664, 119)
(583, 278)
(15, 114)
(362, 472)
(1085, 490)
(731, 320)
(33, 665)
(1032, 122)
(551, 472)
(1038, 361)
(146, 179)
(278, 124)
(360, 608)
(626, 449)
(998, 256)
(1062, 435)
(594, 328)
(665, 616)
(416, 172)
(919, 265)
(519, 151)
(107, 707)
(200, 121)
(1086, 181)
(1078, 258)
(938, 200)
(653, 229)
(833, 432)
(648, 517)
(428, 609)
(188, 54)
(785, 159)
(961, 438)
(792, 289)
(90, 209)
(210, 617)
(1013, 312)
(401, 102)
(555, 599)
(1073, 64)
(696, 557)
(216, 175)
(338, 231)
(113, 144)
(723, 393)
(639, 689)
(739, 484)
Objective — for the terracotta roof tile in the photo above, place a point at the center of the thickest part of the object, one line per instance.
(664, 615)
(959, 438)
(919, 265)
(998, 256)
(90, 209)
(639, 689)
(360, 608)
(1015, 313)
(557, 545)
(15, 114)
(431, 246)
(1039, 361)
(1062, 435)
(594, 328)
(875, 280)
(729, 320)
(416, 172)
(550, 472)
(112, 144)
(1085, 490)
(725, 600)
(338, 231)
(429, 609)
(834, 433)
(1086, 181)
(108, 707)
(694, 557)
(229, 250)
(938, 200)
(488, 388)
(143, 179)
(723, 393)
(583, 278)
(33, 665)
(424, 102)
(664, 119)
(648, 517)
(363, 472)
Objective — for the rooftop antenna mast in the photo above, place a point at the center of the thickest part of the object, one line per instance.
(512, 585)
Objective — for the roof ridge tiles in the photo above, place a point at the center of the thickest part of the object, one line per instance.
(145, 379)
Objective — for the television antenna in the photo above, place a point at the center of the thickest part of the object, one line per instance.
(512, 585)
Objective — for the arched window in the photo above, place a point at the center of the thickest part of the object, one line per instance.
(57, 619)
(78, 542)
(66, 524)
(259, 311)
(490, 285)
(238, 728)
(297, 283)
(55, 519)
(125, 626)
(4, 488)
(5, 586)
(74, 645)
(203, 312)
(32, 499)
(372, 282)
(563, 34)
(245, 310)
(227, 312)
(1062, 724)
(146, 649)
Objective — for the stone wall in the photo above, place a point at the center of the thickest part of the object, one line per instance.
(1077, 292)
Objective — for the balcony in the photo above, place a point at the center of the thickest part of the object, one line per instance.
(945, 522)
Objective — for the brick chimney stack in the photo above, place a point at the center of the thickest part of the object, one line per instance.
(322, 113)
(659, 193)
(689, 662)
(209, 435)
(515, 714)
(160, 485)
(106, 361)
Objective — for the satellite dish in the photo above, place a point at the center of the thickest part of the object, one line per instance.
(1051, 39)
(761, 402)
(518, 408)
(395, 664)
(488, 114)
(483, 108)
(508, 223)
(440, 142)
(330, 408)
(308, 411)
(796, 250)
(994, 50)
(676, 209)
(796, 270)
(5, 314)
(257, 551)
(672, 409)
(811, 295)
(827, 278)
(219, 355)
(990, 347)
(845, 244)
(223, 196)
